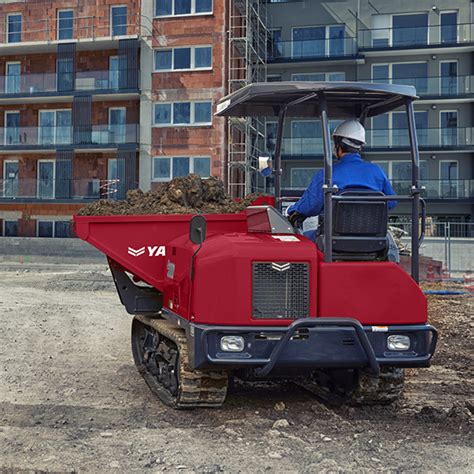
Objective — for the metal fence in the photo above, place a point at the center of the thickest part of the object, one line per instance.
(450, 242)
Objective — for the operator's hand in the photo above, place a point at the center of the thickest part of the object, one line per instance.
(296, 219)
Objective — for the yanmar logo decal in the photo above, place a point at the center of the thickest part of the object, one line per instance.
(155, 251)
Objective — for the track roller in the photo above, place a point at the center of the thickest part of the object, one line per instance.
(160, 353)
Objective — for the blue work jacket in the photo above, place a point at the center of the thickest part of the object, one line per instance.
(350, 172)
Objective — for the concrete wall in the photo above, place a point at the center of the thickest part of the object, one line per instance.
(42, 250)
(460, 253)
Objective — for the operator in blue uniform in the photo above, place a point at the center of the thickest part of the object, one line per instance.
(351, 171)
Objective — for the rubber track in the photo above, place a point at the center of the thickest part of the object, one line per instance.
(197, 388)
(381, 390)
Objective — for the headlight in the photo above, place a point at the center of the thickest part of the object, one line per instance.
(232, 343)
(398, 343)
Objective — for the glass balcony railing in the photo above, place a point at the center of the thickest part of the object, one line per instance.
(386, 138)
(435, 188)
(412, 37)
(440, 86)
(312, 49)
(34, 84)
(79, 27)
(427, 137)
(50, 188)
(438, 188)
(17, 137)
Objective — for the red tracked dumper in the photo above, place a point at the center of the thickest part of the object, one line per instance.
(246, 295)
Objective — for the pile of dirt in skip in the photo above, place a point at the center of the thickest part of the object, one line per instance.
(187, 195)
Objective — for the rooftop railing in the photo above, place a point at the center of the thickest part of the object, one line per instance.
(413, 37)
(44, 137)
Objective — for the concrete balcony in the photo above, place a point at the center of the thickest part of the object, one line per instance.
(52, 138)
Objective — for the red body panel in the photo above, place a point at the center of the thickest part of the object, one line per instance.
(376, 293)
(222, 290)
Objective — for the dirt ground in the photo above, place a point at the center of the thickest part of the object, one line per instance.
(71, 399)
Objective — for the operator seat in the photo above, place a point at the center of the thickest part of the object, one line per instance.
(359, 228)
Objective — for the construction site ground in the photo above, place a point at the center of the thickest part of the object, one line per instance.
(72, 400)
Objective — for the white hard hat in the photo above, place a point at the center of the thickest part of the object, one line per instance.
(351, 132)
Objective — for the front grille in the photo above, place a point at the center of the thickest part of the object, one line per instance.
(280, 290)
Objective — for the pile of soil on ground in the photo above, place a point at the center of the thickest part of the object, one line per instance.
(187, 195)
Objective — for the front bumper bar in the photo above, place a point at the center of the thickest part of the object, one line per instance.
(314, 343)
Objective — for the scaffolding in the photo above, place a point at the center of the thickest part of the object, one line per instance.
(247, 45)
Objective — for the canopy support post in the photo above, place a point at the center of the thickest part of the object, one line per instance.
(278, 171)
(328, 188)
(415, 192)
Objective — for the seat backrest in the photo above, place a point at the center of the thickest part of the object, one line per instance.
(360, 218)
(360, 227)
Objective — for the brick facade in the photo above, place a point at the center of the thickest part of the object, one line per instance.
(206, 30)
(92, 55)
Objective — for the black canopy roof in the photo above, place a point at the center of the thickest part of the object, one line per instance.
(344, 99)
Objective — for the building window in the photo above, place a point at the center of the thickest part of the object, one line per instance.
(410, 29)
(12, 128)
(300, 178)
(410, 74)
(45, 229)
(65, 24)
(182, 7)
(117, 125)
(166, 168)
(14, 28)
(449, 127)
(306, 136)
(183, 113)
(275, 45)
(178, 59)
(380, 31)
(62, 229)
(114, 72)
(10, 228)
(318, 41)
(10, 178)
(319, 76)
(55, 127)
(58, 229)
(118, 16)
(449, 174)
(13, 78)
(392, 129)
(449, 27)
(46, 178)
(449, 77)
